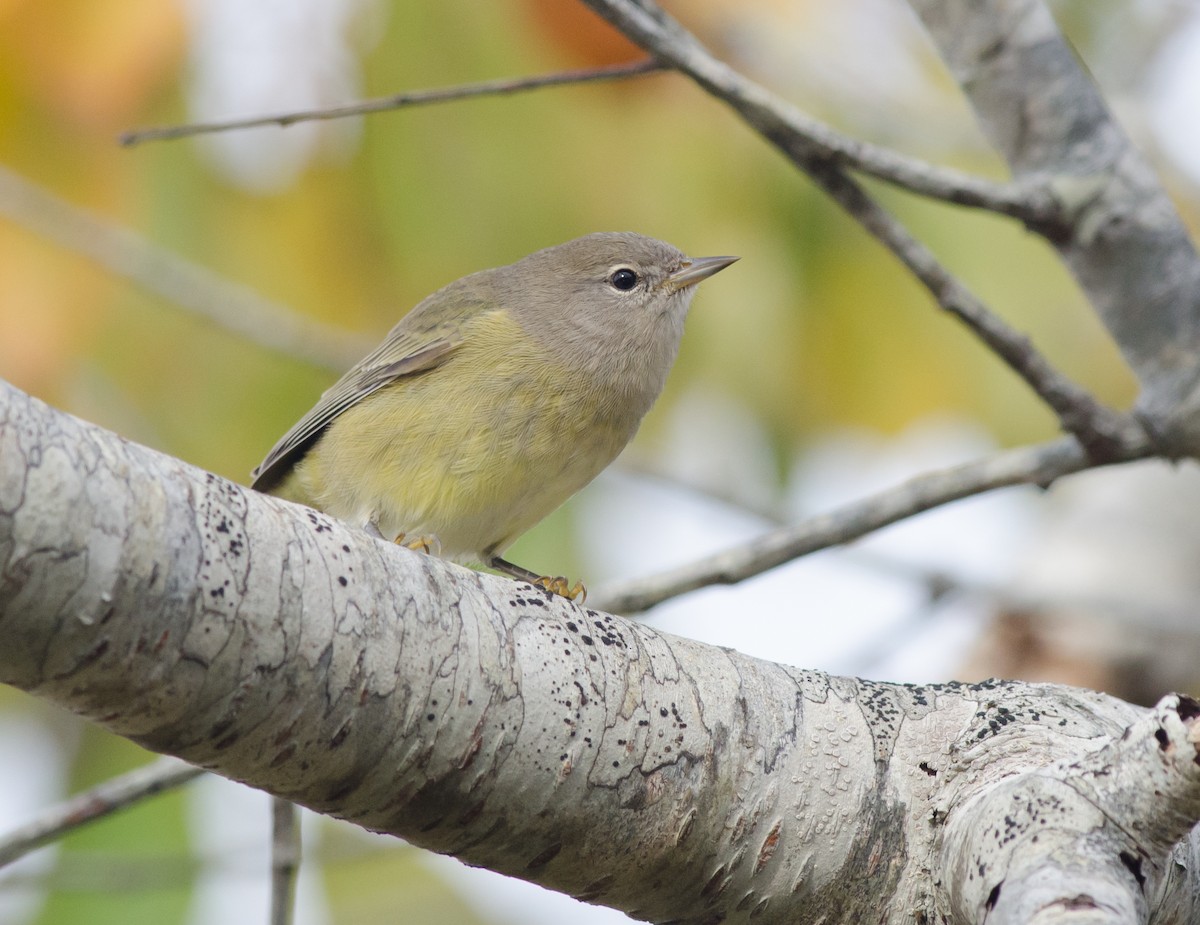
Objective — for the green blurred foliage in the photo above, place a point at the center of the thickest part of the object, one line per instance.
(131, 867)
(817, 328)
(384, 883)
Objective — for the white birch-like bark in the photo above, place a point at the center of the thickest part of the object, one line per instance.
(476, 716)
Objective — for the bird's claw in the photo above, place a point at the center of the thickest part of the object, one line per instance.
(427, 544)
(563, 588)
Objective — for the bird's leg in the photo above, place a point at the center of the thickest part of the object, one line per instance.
(559, 585)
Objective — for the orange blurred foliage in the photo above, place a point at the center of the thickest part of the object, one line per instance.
(72, 74)
(580, 34)
(92, 64)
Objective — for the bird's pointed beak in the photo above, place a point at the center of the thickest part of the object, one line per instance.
(695, 269)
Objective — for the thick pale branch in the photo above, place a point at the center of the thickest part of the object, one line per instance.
(480, 717)
(1045, 871)
(1121, 236)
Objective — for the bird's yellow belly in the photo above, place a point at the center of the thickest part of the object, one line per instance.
(474, 453)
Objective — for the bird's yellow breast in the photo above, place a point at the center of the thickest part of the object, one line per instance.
(474, 451)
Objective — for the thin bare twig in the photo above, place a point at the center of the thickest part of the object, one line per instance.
(769, 510)
(179, 281)
(938, 583)
(1036, 465)
(400, 100)
(285, 860)
(1101, 430)
(94, 804)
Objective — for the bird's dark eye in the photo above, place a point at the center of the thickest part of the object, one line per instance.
(623, 279)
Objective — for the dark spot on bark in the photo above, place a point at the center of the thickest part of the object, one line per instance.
(924, 766)
(468, 757)
(471, 814)
(685, 830)
(545, 857)
(342, 580)
(1134, 865)
(767, 850)
(219, 729)
(284, 755)
(340, 736)
(95, 653)
(716, 883)
(594, 890)
(994, 896)
(1163, 740)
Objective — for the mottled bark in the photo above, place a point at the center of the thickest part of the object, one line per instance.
(479, 717)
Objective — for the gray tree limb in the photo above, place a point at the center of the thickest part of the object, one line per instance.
(100, 801)
(1034, 465)
(1120, 235)
(480, 717)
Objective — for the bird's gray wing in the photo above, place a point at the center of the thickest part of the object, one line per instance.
(421, 341)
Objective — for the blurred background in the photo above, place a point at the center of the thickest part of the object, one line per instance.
(812, 373)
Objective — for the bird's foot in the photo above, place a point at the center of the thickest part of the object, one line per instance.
(426, 543)
(560, 586)
(563, 588)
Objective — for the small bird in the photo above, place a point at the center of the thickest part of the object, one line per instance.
(495, 399)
